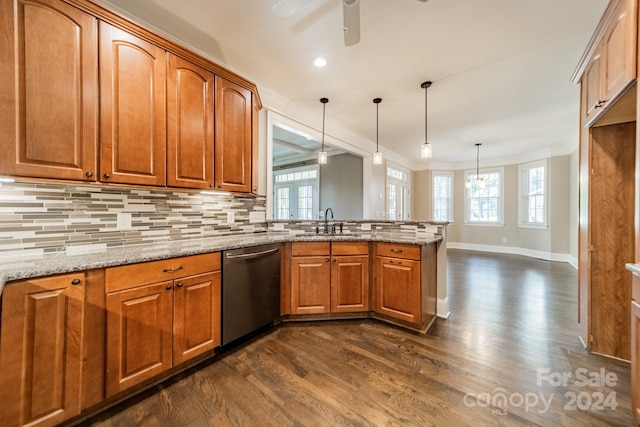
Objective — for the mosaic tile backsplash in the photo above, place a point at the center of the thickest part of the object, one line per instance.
(36, 218)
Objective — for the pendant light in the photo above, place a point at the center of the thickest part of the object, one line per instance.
(377, 156)
(477, 180)
(425, 152)
(322, 155)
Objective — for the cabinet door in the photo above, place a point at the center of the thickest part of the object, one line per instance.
(310, 285)
(635, 359)
(619, 44)
(189, 125)
(132, 109)
(49, 88)
(591, 87)
(139, 330)
(398, 288)
(196, 327)
(349, 284)
(233, 137)
(41, 350)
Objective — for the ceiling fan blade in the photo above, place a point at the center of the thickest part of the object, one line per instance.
(351, 17)
(286, 8)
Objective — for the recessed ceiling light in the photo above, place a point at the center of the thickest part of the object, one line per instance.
(319, 61)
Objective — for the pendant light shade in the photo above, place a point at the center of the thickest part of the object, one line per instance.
(425, 151)
(322, 155)
(377, 156)
(477, 180)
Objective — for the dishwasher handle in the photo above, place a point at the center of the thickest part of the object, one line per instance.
(253, 254)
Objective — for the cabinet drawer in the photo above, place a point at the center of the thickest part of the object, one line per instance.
(350, 248)
(130, 276)
(398, 250)
(310, 248)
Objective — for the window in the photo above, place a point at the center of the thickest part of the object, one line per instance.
(295, 193)
(397, 194)
(532, 191)
(484, 203)
(442, 196)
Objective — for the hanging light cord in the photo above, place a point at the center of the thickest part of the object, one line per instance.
(377, 106)
(324, 107)
(425, 112)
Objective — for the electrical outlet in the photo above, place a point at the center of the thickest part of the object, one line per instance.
(231, 217)
(123, 221)
(504, 240)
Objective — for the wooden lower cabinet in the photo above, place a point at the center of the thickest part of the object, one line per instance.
(152, 328)
(349, 283)
(398, 288)
(196, 316)
(329, 277)
(41, 352)
(310, 285)
(139, 323)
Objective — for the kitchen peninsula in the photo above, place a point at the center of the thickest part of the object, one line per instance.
(390, 256)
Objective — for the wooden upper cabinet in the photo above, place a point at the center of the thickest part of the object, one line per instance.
(49, 90)
(609, 65)
(189, 125)
(233, 121)
(41, 350)
(132, 109)
(592, 87)
(619, 46)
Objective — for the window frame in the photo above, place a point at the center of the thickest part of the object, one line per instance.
(523, 193)
(401, 183)
(467, 205)
(450, 175)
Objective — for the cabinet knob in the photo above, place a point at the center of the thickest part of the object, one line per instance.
(326, 260)
(600, 104)
(179, 284)
(89, 174)
(107, 175)
(169, 287)
(75, 282)
(172, 270)
(399, 251)
(334, 260)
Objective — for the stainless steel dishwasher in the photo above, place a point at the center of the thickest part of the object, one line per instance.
(250, 290)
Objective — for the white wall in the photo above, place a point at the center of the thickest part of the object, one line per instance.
(554, 242)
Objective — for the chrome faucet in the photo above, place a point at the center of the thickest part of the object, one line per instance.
(326, 219)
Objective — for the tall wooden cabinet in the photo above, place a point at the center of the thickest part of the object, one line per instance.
(132, 109)
(48, 90)
(41, 350)
(607, 73)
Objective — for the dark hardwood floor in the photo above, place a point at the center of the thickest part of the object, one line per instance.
(500, 359)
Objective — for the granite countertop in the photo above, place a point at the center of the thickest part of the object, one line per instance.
(634, 268)
(15, 267)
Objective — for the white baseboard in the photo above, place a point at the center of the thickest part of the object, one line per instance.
(443, 308)
(548, 256)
